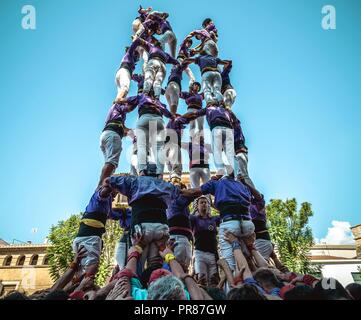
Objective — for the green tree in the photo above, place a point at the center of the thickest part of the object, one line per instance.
(291, 233)
(61, 254)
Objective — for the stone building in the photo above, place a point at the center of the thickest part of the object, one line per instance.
(23, 267)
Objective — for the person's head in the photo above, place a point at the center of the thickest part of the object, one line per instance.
(267, 279)
(16, 295)
(299, 293)
(245, 292)
(145, 276)
(354, 290)
(206, 22)
(166, 288)
(330, 289)
(188, 43)
(195, 87)
(203, 206)
(215, 293)
(57, 295)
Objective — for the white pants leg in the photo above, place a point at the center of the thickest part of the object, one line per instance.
(122, 80)
(229, 97)
(172, 95)
(242, 172)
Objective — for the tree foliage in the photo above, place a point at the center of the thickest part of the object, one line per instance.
(291, 233)
(61, 254)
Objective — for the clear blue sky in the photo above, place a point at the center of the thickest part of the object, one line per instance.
(298, 90)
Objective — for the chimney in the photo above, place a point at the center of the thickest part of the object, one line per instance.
(356, 230)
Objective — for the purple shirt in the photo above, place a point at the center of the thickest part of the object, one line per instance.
(99, 204)
(180, 206)
(178, 124)
(165, 26)
(258, 210)
(176, 73)
(155, 52)
(207, 61)
(226, 81)
(131, 57)
(137, 187)
(117, 114)
(139, 78)
(144, 101)
(227, 190)
(183, 51)
(124, 216)
(211, 28)
(239, 139)
(198, 155)
(205, 232)
(192, 100)
(216, 116)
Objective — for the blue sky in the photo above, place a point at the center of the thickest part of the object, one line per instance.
(298, 99)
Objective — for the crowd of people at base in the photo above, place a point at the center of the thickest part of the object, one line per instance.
(167, 252)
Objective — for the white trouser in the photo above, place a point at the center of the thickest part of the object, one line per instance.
(182, 250)
(172, 95)
(229, 97)
(173, 154)
(199, 123)
(150, 136)
(122, 80)
(205, 264)
(240, 230)
(242, 170)
(211, 48)
(154, 76)
(212, 84)
(170, 38)
(223, 139)
(198, 174)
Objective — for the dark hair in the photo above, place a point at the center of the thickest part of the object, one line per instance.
(144, 278)
(354, 290)
(267, 277)
(245, 292)
(215, 293)
(16, 295)
(299, 293)
(338, 292)
(205, 22)
(57, 295)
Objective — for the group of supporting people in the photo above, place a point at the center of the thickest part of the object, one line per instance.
(158, 217)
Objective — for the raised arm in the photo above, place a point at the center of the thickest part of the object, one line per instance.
(190, 193)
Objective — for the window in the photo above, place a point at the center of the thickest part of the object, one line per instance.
(34, 260)
(20, 261)
(356, 277)
(46, 260)
(7, 261)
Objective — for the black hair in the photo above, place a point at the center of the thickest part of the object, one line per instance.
(57, 295)
(334, 290)
(144, 278)
(245, 292)
(300, 293)
(355, 290)
(205, 22)
(16, 295)
(215, 293)
(267, 277)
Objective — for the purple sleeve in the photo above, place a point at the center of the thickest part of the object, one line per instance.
(137, 77)
(217, 220)
(163, 109)
(201, 112)
(184, 95)
(196, 60)
(114, 215)
(122, 184)
(209, 187)
(133, 100)
(133, 46)
(171, 60)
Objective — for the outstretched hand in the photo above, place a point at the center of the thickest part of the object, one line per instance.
(230, 237)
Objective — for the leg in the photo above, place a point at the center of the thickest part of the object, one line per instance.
(111, 146)
(207, 87)
(122, 79)
(242, 174)
(213, 275)
(142, 133)
(149, 76)
(172, 94)
(190, 74)
(217, 150)
(136, 25)
(229, 97)
(159, 155)
(217, 86)
(159, 78)
(229, 149)
(200, 267)
(194, 177)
